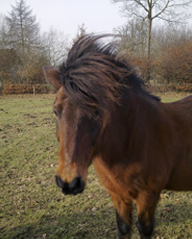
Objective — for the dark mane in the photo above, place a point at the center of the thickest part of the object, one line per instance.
(93, 76)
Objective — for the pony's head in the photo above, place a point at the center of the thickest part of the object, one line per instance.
(89, 86)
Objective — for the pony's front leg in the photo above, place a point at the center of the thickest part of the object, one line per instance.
(146, 205)
(123, 216)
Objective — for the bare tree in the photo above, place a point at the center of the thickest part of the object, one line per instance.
(3, 32)
(169, 36)
(167, 10)
(133, 38)
(81, 31)
(56, 45)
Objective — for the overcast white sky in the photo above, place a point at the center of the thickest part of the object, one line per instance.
(99, 16)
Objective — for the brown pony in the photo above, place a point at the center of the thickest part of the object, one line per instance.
(139, 145)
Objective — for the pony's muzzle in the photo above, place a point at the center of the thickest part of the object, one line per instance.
(74, 187)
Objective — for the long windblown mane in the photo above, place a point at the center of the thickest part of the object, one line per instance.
(93, 76)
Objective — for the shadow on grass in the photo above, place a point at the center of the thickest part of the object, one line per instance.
(172, 221)
(98, 224)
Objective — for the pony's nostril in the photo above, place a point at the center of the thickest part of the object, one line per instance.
(59, 181)
(76, 185)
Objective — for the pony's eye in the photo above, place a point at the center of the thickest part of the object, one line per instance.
(97, 112)
(56, 112)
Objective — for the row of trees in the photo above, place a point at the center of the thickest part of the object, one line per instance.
(171, 52)
(24, 49)
(163, 52)
(170, 11)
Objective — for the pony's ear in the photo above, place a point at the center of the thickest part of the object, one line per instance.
(52, 75)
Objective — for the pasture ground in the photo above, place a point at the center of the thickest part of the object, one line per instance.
(31, 206)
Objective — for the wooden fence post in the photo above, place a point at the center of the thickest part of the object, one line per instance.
(33, 89)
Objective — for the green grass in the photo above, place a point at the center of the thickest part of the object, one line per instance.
(33, 207)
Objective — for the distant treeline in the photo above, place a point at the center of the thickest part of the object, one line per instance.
(171, 53)
(25, 49)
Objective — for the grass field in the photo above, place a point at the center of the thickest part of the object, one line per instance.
(31, 206)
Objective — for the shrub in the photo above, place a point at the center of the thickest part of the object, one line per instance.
(175, 65)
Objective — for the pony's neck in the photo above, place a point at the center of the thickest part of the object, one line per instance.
(127, 127)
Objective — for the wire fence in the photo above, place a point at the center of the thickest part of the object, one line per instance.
(34, 89)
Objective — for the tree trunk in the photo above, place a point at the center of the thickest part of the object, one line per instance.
(149, 40)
